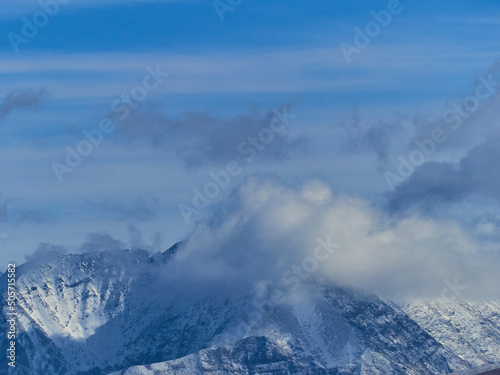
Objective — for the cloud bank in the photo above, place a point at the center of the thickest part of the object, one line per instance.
(271, 234)
(200, 138)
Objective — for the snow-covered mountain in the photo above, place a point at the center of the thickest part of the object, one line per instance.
(469, 329)
(99, 313)
(482, 370)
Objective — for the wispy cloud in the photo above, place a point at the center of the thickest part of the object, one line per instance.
(378, 137)
(15, 211)
(200, 138)
(30, 99)
(249, 71)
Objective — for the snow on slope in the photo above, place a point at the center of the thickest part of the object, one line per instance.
(482, 370)
(336, 332)
(469, 329)
(96, 313)
(93, 313)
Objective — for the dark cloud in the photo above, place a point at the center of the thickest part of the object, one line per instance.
(29, 99)
(434, 183)
(14, 211)
(101, 241)
(379, 137)
(463, 165)
(199, 138)
(139, 209)
(465, 121)
(468, 118)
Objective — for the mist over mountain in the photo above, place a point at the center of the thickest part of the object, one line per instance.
(102, 312)
(249, 187)
(276, 280)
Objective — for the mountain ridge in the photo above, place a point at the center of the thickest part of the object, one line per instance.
(110, 312)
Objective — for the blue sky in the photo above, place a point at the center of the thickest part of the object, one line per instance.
(353, 120)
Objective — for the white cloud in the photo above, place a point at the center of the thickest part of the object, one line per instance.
(274, 229)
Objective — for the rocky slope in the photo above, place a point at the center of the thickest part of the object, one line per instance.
(469, 329)
(99, 313)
